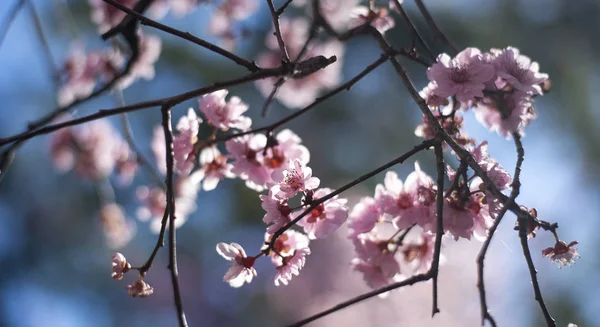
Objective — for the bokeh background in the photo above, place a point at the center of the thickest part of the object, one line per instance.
(55, 264)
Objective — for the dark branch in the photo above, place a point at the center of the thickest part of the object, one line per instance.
(284, 54)
(439, 35)
(166, 124)
(251, 66)
(435, 265)
(413, 29)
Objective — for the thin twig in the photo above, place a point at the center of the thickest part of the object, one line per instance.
(407, 282)
(166, 124)
(10, 17)
(516, 187)
(283, 7)
(54, 70)
(413, 29)
(251, 66)
(435, 265)
(125, 26)
(439, 35)
(284, 54)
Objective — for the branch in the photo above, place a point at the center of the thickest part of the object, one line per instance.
(128, 23)
(166, 124)
(10, 17)
(407, 282)
(251, 66)
(435, 265)
(55, 71)
(413, 29)
(439, 35)
(516, 186)
(284, 55)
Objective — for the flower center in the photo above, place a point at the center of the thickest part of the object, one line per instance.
(459, 75)
(317, 213)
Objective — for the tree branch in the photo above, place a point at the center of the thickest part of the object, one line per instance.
(435, 265)
(10, 17)
(439, 35)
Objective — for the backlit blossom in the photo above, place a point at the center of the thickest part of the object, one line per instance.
(363, 217)
(562, 253)
(242, 267)
(291, 266)
(420, 253)
(278, 212)
(294, 178)
(246, 152)
(224, 114)
(118, 230)
(499, 176)
(285, 245)
(183, 143)
(431, 98)
(463, 76)
(214, 167)
(140, 289)
(326, 217)
(518, 70)
(377, 17)
(119, 266)
(506, 114)
(83, 70)
(407, 203)
(143, 67)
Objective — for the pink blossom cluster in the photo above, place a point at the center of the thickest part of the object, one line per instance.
(82, 71)
(107, 16)
(499, 85)
(94, 151)
(228, 13)
(398, 207)
(299, 92)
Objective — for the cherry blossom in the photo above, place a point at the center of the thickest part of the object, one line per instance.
(499, 176)
(82, 71)
(420, 253)
(375, 261)
(118, 230)
(377, 17)
(562, 253)
(518, 70)
(285, 245)
(363, 217)
(286, 148)
(214, 167)
(278, 212)
(431, 98)
(247, 154)
(227, 14)
(224, 114)
(463, 76)
(140, 289)
(291, 266)
(183, 143)
(325, 218)
(119, 266)
(143, 67)
(92, 150)
(407, 203)
(294, 178)
(242, 267)
(506, 113)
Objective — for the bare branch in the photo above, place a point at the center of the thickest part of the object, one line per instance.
(435, 265)
(284, 54)
(439, 35)
(10, 17)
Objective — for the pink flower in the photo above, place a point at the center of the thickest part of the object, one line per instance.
(377, 17)
(247, 154)
(338, 12)
(518, 70)
(294, 178)
(140, 288)
(183, 143)
(214, 167)
(154, 201)
(506, 114)
(223, 114)
(149, 51)
(83, 70)
(183, 7)
(499, 176)
(92, 150)
(278, 212)
(285, 245)
(377, 276)
(117, 229)
(562, 253)
(291, 266)
(420, 253)
(431, 98)
(242, 267)
(119, 266)
(286, 149)
(409, 203)
(225, 17)
(463, 77)
(326, 217)
(363, 217)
